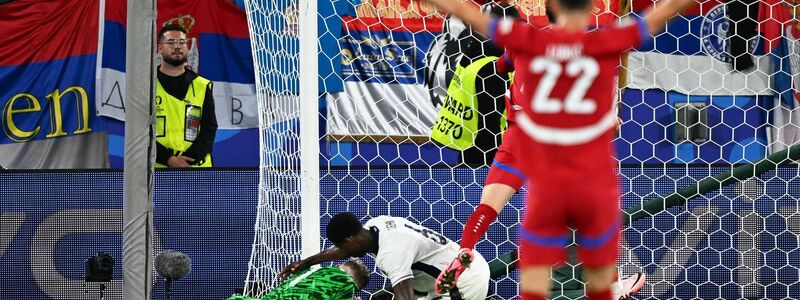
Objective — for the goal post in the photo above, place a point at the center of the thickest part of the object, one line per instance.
(309, 133)
(137, 235)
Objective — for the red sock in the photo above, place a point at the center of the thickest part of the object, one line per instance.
(532, 296)
(477, 225)
(595, 295)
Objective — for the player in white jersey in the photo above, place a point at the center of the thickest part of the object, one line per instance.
(409, 255)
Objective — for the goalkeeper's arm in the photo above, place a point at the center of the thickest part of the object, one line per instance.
(332, 254)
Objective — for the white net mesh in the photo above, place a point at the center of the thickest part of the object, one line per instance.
(275, 54)
(692, 107)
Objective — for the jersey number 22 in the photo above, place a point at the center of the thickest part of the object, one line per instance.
(585, 68)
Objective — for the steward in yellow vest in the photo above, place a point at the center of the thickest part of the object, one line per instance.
(179, 121)
(471, 119)
(186, 123)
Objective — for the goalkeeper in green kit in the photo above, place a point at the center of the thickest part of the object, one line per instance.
(328, 283)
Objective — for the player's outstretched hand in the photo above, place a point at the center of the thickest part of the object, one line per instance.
(292, 268)
(449, 277)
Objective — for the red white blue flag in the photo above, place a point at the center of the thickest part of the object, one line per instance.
(47, 70)
(781, 30)
(690, 62)
(219, 51)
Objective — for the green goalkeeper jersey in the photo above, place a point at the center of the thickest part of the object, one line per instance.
(328, 283)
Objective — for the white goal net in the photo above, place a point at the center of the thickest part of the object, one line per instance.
(702, 104)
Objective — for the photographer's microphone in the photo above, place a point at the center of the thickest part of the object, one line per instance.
(172, 265)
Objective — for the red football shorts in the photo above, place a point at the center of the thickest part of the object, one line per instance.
(571, 188)
(507, 166)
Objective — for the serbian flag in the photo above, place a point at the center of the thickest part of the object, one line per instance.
(689, 63)
(386, 47)
(47, 64)
(781, 30)
(219, 50)
(111, 59)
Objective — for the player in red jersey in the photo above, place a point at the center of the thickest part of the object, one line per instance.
(504, 179)
(568, 74)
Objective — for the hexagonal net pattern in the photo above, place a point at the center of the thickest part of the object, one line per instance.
(706, 146)
(277, 241)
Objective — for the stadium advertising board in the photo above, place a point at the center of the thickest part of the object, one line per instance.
(53, 222)
(737, 242)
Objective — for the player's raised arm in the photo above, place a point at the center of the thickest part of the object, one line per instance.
(656, 17)
(467, 12)
(505, 32)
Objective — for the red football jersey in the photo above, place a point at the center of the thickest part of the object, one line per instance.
(511, 108)
(564, 81)
(506, 65)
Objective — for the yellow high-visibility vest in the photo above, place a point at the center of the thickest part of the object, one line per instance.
(171, 113)
(457, 124)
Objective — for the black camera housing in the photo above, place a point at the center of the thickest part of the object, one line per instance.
(99, 268)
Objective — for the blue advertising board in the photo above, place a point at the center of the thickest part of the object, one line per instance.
(737, 242)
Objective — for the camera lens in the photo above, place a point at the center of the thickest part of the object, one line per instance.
(99, 268)
(106, 261)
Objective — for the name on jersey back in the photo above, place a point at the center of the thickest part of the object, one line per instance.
(564, 52)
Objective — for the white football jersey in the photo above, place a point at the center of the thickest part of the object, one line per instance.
(406, 250)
